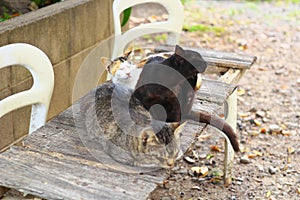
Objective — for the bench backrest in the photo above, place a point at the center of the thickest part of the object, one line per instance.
(39, 95)
(173, 25)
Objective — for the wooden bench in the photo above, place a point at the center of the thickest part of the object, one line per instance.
(53, 163)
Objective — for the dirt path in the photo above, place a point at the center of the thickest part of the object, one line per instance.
(269, 102)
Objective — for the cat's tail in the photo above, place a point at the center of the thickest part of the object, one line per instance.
(217, 122)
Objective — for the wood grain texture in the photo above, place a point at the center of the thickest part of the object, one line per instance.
(54, 163)
(218, 59)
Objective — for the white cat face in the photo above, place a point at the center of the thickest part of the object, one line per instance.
(127, 74)
(123, 72)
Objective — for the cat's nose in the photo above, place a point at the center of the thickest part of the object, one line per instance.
(170, 162)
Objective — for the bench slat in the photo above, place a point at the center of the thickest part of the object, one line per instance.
(54, 163)
(56, 176)
(218, 58)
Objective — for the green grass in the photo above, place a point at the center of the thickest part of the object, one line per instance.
(159, 38)
(204, 28)
(5, 17)
(294, 14)
(185, 1)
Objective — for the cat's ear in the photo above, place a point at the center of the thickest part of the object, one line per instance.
(129, 53)
(105, 62)
(148, 137)
(178, 131)
(179, 50)
(199, 82)
(173, 125)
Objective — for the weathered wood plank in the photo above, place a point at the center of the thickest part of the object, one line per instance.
(56, 176)
(54, 163)
(212, 95)
(52, 167)
(232, 76)
(218, 58)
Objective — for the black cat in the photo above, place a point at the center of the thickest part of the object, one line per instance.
(171, 84)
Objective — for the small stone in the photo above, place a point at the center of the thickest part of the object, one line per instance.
(196, 188)
(182, 171)
(254, 133)
(272, 170)
(261, 114)
(279, 71)
(181, 194)
(274, 128)
(249, 93)
(265, 120)
(244, 160)
(189, 160)
(242, 42)
(176, 168)
(202, 156)
(198, 145)
(260, 168)
(239, 179)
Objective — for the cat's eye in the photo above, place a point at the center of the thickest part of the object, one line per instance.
(122, 59)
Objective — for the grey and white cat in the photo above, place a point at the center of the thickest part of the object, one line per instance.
(125, 130)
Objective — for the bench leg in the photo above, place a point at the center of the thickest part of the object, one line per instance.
(231, 118)
(228, 159)
(231, 115)
(228, 162)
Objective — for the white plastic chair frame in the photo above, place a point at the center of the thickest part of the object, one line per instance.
(39, 95)
(173, 26)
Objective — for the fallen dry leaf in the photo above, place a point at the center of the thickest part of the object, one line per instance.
(285, 132)
(251, 155)
(200, 171)
(257, 122)
(215, 148)
(257, 153)
(244, 115)
(263, 130)
(291, 150)
(254, 154)
(241, 92)
(268, 194)
(258, 180)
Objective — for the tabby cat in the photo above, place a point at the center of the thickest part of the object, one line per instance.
(126, 130)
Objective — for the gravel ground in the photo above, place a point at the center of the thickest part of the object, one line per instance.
(269, 111)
